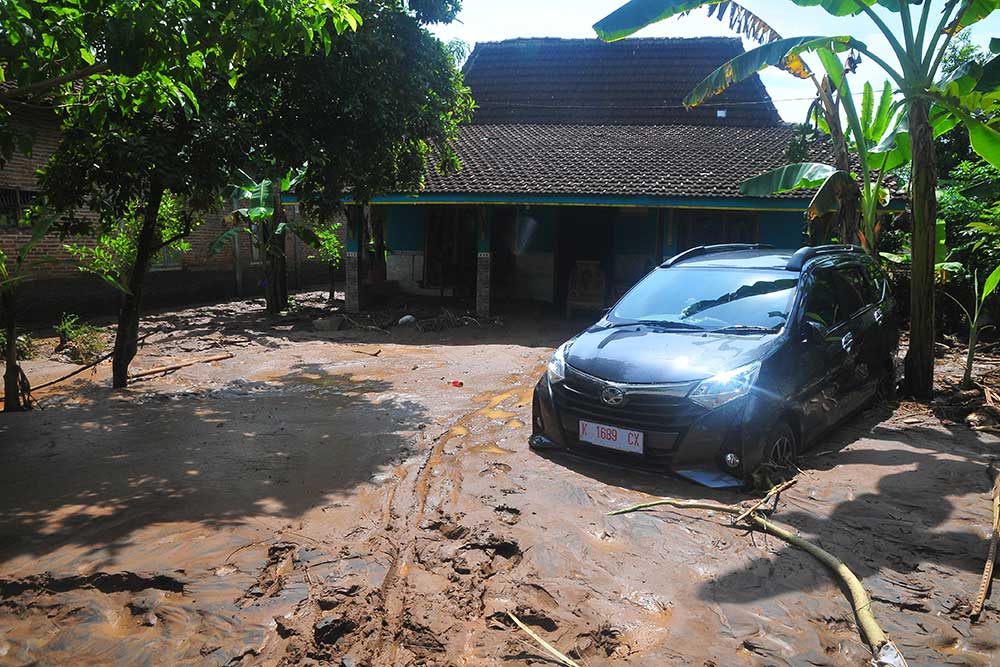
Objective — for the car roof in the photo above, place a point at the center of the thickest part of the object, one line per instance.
(742, 259)
(760, 256)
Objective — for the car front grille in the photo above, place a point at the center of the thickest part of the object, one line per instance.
(662, 412)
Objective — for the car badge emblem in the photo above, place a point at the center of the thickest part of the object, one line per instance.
(613, 396)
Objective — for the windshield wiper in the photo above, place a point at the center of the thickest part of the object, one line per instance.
(746, 329)
(666, 324)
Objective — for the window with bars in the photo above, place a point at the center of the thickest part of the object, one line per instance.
(14, 204)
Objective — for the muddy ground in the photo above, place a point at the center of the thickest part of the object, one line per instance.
(332, 498)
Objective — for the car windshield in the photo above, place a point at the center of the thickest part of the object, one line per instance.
(736, 300)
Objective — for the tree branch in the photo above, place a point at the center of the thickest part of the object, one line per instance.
(42, 86)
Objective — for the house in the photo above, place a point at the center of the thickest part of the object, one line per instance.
(581, 159)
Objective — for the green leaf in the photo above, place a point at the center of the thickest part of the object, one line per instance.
(883, 115)
(991, 284)
(789, 177)
(827, 198)
(867, 108)
(940, 241)
(984, 140)
(87, 56)
(989, 78)
(40, 229)
(220, 241)
(637, 14)
(975, 11)
(189, 94)
(895, 258)
(772, 54)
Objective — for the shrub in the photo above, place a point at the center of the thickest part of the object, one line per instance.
(81, 342)
(26, 347)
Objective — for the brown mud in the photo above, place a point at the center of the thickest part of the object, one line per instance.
(303, 504)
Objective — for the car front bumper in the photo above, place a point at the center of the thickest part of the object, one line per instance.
(688, 439)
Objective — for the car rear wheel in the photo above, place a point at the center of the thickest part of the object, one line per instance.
(778, 463)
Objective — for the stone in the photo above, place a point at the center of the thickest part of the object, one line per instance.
(334, 323)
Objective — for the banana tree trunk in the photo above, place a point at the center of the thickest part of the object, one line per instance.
(919, 363)
(127, 333)
(846, 224)
(12, 371)
(275, 271)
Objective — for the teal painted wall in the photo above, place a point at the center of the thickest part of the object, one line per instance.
(404, 229)
(782, 229)
(635, 231)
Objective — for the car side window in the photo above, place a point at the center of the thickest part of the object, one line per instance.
(853, 288)
(821, 303)
(877, 282)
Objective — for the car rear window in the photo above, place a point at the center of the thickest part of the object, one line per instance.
(710, 298)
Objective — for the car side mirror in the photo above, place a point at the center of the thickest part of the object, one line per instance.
(813, 331)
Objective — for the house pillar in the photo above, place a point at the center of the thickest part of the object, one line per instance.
(352, 261)
(484, 262)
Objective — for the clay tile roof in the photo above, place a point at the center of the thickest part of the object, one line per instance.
(618, 160)
(630, 82)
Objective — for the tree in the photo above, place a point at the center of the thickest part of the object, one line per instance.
(13, 272)
(365, 117)
(930, 105)
(48, 46)
(143, 91)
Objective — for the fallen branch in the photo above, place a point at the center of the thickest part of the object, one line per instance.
(180, 364)
(88, 366)
(544, 644)
(366, 327)
(882, 648)
(991, 554)
(370, 354)
(774, 492)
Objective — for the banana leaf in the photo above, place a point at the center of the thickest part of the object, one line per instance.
(637, 14)
(790, 177)
(827, 198)
(772, 54)
(974, 12)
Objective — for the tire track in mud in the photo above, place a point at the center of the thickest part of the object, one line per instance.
(420, 533)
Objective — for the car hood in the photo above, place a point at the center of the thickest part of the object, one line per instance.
(644, 355)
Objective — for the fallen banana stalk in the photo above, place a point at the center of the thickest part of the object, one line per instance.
(544, 644)
(991, 554)
(885, 651)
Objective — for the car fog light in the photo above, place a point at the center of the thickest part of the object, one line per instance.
(732, 461)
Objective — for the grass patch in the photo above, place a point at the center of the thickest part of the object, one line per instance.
(81, 342)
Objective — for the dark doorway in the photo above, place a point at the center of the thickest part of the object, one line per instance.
(582, 234)
(450, 253)
(502, 267)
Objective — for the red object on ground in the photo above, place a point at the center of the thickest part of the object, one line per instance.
(457, 383)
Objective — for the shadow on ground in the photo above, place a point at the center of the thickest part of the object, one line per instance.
(90, 476)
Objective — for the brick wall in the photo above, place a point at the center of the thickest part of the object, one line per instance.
(57, 286)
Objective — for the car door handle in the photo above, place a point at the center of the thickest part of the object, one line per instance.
(847, 342)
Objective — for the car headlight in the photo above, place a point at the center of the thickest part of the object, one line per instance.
(726, 386)
(557, 365)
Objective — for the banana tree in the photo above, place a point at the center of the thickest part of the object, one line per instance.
(918, 48)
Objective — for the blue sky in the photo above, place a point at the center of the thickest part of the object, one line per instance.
(491, 20)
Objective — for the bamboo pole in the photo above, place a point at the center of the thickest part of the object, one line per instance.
(544, 644)
(991, 554)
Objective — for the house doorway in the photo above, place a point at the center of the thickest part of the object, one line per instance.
(583, 235)
(450, 251)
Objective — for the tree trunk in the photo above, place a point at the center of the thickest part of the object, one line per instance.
(919, 363)
(275, 270)
(12, 371)
(127, 333)
(970, 357)
(848, 214)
